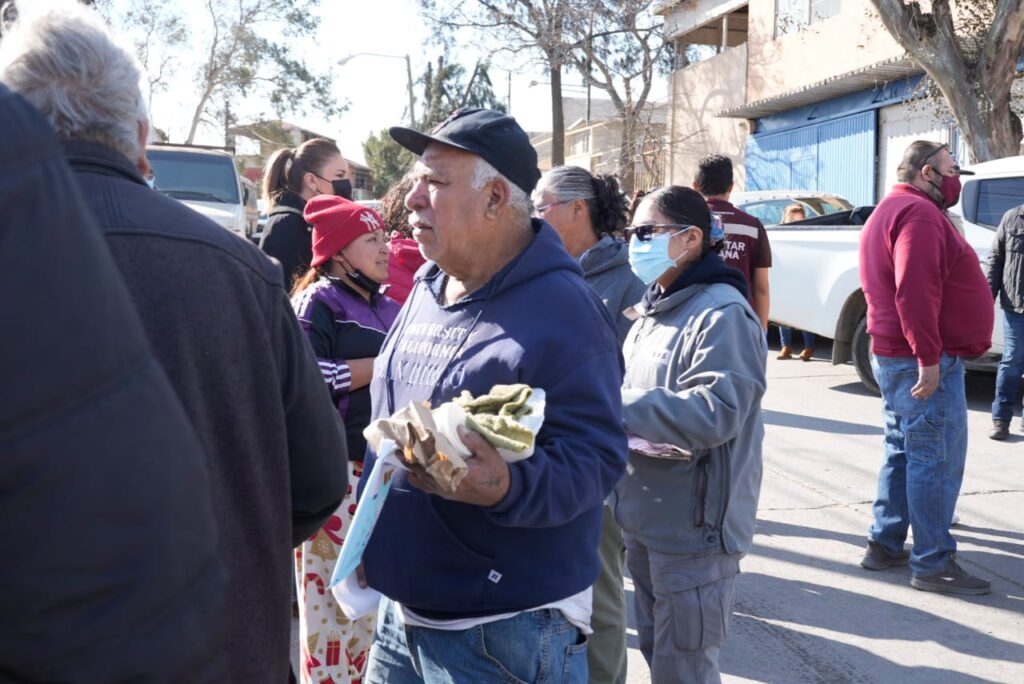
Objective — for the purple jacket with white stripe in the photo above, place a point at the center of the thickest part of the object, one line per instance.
(342, 325)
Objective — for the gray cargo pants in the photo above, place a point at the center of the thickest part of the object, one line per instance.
(683, 610)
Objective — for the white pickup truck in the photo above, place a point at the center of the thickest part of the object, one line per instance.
(815, 281)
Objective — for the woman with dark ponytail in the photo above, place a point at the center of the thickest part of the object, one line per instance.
(292, 178)
(587, 211)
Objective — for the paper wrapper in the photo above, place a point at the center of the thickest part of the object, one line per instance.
(422, 443)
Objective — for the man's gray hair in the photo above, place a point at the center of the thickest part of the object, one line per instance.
(64, 61)
(518, 201)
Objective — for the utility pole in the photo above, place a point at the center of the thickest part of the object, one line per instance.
(227, 122)
(412, 97)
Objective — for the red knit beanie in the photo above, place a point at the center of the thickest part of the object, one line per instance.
(336, 223)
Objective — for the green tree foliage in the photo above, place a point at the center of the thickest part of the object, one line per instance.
(388, 161)
(239, 49)
(446, 87)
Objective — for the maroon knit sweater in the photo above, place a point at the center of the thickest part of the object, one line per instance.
(925, 290)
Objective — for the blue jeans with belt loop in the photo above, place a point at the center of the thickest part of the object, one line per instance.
(1011, 367)
(923, 466)
(537, 646)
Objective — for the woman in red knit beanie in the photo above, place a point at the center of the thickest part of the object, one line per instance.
(342, 311)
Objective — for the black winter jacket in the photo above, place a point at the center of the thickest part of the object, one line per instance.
(109, 569)
(1006, 261)
(217, 316)
(288, 238)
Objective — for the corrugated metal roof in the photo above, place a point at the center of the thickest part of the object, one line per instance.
(842, 84)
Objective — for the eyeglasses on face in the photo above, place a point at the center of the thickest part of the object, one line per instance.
(539, 211)
(645, 232)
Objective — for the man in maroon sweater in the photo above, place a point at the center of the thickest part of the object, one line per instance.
(929, 305)
(746, 245)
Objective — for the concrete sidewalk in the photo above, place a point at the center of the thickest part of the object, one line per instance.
(807, 612)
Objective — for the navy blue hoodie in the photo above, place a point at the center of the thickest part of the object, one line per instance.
(535, 322)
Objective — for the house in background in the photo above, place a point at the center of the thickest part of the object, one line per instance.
(255, 143)
(802, 94)
(593, 138)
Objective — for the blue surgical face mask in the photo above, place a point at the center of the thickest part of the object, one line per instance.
(649, 258)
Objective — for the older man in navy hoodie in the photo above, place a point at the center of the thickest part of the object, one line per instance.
(493, 582)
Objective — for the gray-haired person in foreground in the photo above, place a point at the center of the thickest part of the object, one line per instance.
(587, 211)
(217, 316)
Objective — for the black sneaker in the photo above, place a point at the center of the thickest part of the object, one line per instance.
(1000, 430)
(877, 558)
(952, 580)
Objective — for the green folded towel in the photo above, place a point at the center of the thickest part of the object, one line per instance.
(494, 415)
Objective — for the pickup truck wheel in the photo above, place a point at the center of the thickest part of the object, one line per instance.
(862, 357)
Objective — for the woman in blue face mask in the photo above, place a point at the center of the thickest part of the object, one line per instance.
(691, 404)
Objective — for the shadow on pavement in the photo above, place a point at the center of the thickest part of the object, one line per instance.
(849, 612)
(795, 420)
(855, 388)
(1002, 569)
(822, 659)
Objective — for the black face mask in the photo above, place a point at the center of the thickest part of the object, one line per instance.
(342, 188)
(364, 281)
(361, 279)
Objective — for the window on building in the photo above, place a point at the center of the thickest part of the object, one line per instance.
(711, 39)
(794, 15)
(996, 197)
(580, 143)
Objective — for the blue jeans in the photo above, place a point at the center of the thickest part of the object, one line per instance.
(1010, 368)
(786, 336)
(537, 646)
(925, 450)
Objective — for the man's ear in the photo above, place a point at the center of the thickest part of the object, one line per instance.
(498, 196)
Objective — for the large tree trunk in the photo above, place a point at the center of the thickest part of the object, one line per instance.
(980, 97)
(627, 163)
(197, 115)
(990, 134)
(557, 118)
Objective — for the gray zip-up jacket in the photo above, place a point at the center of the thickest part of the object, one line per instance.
(1006, 261)
(606, 269)
(695, 375)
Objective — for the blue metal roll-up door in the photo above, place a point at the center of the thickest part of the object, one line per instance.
(831, 156)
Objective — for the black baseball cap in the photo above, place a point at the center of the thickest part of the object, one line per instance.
(494, 136)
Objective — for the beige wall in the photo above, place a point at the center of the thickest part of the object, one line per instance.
(698, 91)
(853, 39)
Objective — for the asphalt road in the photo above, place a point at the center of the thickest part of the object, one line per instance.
(806, 611)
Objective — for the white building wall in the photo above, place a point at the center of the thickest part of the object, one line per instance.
(901, 124)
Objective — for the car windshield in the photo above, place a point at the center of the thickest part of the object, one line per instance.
(826, 205)
(187, 175)
(770, 211)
